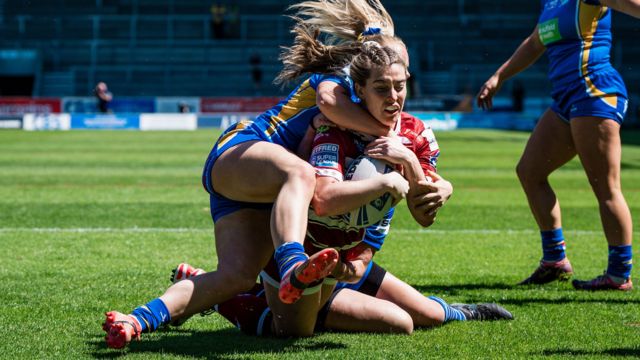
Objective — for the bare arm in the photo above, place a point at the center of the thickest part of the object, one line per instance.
(333, 197)
(526, 54)
(334, 102)
(422, 194)
(629, 7)
(426, 198)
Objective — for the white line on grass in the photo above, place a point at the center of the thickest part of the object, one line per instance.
(210, 230)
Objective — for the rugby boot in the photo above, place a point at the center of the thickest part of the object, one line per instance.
(301, 275)
(550, 271)
(120, 329)
(602, 282)
(184, 271)
(483, 312)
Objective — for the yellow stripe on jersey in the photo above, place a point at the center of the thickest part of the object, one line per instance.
(303, 99)
(231, 134)
(588, 17)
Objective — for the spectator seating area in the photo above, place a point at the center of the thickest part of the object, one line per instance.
(170, 48)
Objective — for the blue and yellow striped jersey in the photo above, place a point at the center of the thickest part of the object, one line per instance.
(287, 122)
(577, 35)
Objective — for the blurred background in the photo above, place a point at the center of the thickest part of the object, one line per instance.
(217, 59)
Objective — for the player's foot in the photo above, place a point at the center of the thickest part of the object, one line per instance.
(184, 271)
(483, 312)
(317, 267)
(121, 329)
(550, 271)
(602, 282)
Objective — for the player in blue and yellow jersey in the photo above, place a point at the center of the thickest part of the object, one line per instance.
(589, 105)
(260, 190)
(376, 301)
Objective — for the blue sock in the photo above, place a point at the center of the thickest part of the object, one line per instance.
(152, 315)
(620, 261)
(449, 312)
(552, 245)
(287, 255)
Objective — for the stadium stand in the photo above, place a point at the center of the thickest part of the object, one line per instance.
(166, 47)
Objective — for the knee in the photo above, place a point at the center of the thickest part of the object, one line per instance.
(604, 189)
(522, 171)
(302, 173)
(528, 174)
(394, 319)
(402, 323)
(284, 329)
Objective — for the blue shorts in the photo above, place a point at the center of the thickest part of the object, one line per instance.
(609, 107)
(220, 205)
(606, 97)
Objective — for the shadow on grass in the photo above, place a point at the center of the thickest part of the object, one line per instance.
(211, 344)
(626, 352)
(456, 289)
(562, 296)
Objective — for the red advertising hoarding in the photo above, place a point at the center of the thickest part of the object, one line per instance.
(26, 105)
(237, 104)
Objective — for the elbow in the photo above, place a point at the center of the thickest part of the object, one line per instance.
(325, 101)
(320, 205)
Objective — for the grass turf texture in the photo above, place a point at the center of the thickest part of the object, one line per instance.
(94, 221)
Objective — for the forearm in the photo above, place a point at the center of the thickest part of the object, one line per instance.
(526, 54)
(629, 7)
(414, 174)
(336, 105)
(341, 197)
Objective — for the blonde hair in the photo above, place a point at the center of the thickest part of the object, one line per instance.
(347, 23)
(309, 55)
(345, 19)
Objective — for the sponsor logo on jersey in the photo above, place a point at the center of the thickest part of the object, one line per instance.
(549, 31)
(325, 155)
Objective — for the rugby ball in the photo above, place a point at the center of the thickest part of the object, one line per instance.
(362, 168)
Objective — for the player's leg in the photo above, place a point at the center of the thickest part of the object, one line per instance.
(350, 310)
(263, 172)
(599, 147)
(433, 311)
(243, 246)
(423, 311)
(549, 147)
(299, 318)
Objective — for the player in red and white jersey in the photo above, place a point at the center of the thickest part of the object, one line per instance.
(373, 300)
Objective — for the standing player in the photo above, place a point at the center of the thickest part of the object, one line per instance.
(590, 102)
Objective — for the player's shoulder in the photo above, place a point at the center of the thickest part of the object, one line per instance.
(411, 122)
(316, 79)
(332, 134)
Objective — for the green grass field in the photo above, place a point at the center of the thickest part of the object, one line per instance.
(94, 221)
